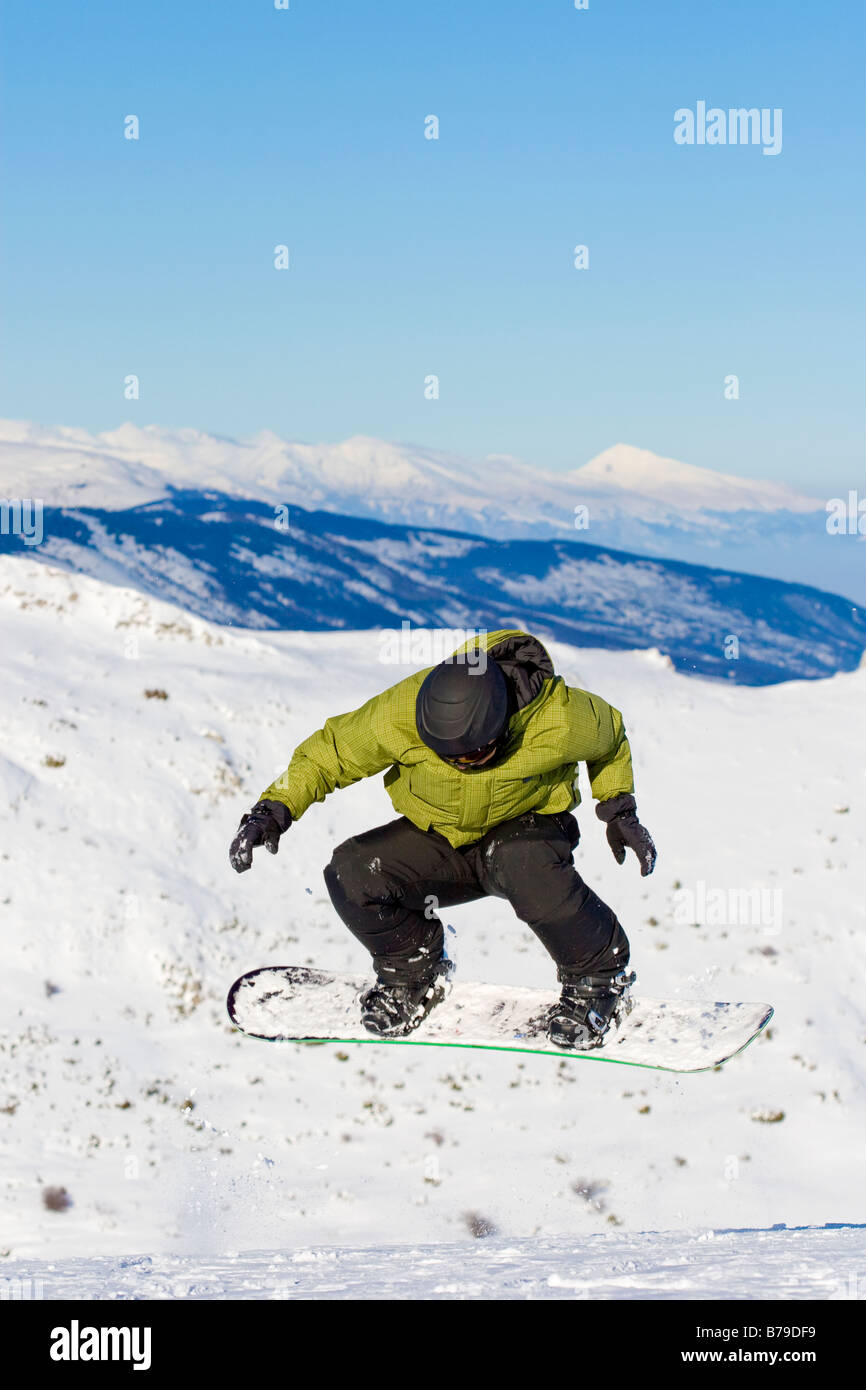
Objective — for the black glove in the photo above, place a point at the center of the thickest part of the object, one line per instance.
(624, 831)
(263, 825)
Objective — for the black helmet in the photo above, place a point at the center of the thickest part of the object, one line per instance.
(462, 709)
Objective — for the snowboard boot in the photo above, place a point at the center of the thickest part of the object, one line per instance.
(588, 1005)
(392, 1010)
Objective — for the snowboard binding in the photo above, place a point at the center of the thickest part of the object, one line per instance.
(587, 1008)
(393, 1010)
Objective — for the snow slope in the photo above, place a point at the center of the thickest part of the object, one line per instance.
(122, 1082)
(634, 499)
(775, 1264)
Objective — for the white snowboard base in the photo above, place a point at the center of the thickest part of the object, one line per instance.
(289, 1003)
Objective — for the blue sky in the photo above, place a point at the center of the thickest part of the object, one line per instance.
(411, 256)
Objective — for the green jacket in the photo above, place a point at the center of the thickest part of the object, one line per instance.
(554, 727)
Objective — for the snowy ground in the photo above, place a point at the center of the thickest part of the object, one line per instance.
(782, 1264)
(123, 1085)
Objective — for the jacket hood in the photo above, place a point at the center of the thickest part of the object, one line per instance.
(525, 664)
(523, 660)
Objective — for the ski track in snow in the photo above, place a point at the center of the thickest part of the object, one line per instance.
(122, 925)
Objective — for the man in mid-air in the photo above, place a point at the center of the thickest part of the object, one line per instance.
(482, 754)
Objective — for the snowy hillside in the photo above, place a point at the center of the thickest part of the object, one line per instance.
(133, 1119)
(817, 1263)
(236, 562)
(632, 498)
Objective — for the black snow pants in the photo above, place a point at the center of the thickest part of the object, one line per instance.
(389, 884)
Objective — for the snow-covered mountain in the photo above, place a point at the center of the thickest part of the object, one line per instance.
(630, 498)
(236, 562)
(133, 464)
(133, 734)
(640, 476)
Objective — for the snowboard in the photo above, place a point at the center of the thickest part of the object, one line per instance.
(289, 1003)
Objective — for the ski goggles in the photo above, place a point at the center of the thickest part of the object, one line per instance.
(480, 755)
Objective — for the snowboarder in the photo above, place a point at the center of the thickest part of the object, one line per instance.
(481, 753)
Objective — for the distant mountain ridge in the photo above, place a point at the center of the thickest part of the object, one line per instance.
(631, 499)
(229, 560)
(682, 485)
(134, 464)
